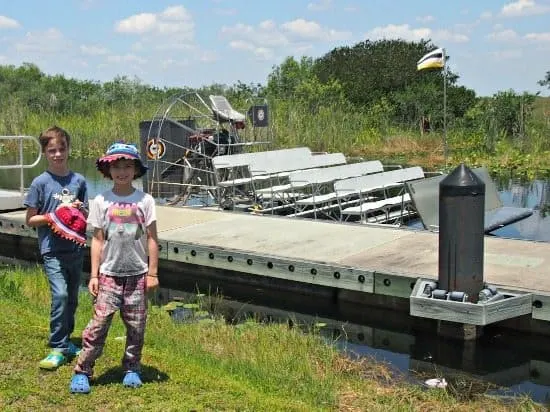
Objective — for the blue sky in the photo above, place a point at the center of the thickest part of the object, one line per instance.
(494, 44)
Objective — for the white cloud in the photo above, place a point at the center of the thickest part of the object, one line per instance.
(265, 34)
(486, 15)
(538, 37)
(44, 42)
(449, 36)
(523, 8)
(7, 23)
(321, 5)
(175, 20)
(262, 53)
(176, 13)
(504, 35)
(507, 54)
(405, 32)
(168, 64)
(126, 58)
(266, 40)
(139, 23)
(425, 19)
(93, 50)
(312, 30)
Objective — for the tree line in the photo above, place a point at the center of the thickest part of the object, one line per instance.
(376, 81)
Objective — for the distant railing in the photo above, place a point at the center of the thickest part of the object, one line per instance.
(21, 165)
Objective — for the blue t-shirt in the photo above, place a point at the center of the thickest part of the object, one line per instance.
(46, 193)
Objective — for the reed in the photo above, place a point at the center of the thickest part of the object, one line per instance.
(350, 130)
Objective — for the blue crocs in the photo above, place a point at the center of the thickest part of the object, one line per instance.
(79, 384)
(131, 380)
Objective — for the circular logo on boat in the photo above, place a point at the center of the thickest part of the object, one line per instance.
(155, 149)
(260, 114)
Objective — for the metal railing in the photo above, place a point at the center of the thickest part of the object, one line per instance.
(21, 165)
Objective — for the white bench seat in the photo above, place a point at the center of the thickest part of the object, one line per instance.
(317, 199)
(369, 207)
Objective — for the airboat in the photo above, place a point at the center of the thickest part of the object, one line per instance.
(202, 152)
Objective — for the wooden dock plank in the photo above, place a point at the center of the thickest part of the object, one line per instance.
(279, 236)
(521, 263)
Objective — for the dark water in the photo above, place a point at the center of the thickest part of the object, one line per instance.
(501, 364)
(504, 364)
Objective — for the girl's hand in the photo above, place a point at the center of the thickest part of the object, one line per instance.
(93, 286)
(152, 281)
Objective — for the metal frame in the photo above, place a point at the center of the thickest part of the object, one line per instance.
(21, 165)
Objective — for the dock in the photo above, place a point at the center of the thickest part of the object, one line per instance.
(365, 263)
(11, 199)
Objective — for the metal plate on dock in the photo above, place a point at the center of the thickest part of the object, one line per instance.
(272, 266)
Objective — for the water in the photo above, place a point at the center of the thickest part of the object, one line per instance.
(533, 194)
(499, 363)
(517, 364)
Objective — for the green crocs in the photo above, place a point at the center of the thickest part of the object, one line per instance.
(53, 361)
(74, 350)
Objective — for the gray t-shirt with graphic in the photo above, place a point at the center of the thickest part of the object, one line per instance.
(124, 221)
(46, 193)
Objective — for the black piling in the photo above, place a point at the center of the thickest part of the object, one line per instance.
(461, 232)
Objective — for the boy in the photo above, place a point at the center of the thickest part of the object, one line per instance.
(56, 187)
(124, 264)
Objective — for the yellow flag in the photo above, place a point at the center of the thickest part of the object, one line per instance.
(432, 60)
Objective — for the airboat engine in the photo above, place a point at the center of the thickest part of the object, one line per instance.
(183, 137)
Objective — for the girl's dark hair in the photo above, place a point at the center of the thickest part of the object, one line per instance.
(53, 132)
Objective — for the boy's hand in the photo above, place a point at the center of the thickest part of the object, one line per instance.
(152, 281)
(93, 286)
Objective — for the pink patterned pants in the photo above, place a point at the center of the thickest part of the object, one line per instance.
(126, 294)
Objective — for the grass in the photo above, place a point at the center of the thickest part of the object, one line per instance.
(202, 366)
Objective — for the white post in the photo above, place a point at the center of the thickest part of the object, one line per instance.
(445, 107)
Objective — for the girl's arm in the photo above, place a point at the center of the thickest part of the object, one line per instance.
(95, 257)
(153, 249)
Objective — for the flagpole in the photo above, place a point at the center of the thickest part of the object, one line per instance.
(445, 107)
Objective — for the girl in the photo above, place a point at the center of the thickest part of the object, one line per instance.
(124, 262)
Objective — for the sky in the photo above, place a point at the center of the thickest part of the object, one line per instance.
(494, 45)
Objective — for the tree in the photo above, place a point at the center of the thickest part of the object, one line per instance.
(386, 69)
(546, 80)
(297, 82)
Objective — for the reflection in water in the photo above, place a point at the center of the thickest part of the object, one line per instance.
(535, 195)
(503, 363)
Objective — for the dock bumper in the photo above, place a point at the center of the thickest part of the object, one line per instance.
(427, 301)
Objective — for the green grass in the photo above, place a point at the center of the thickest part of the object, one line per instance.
(200, 366)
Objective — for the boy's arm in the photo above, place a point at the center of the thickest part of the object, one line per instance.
(33, 202)
(33, 219)
(153, 249)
